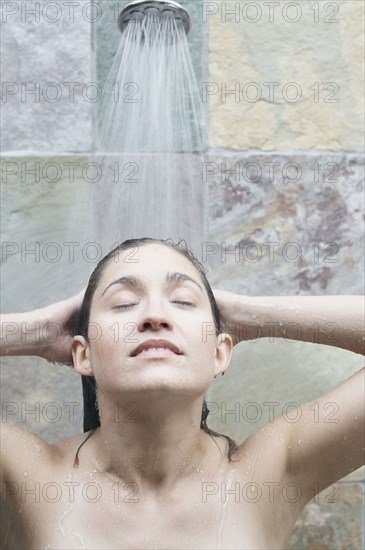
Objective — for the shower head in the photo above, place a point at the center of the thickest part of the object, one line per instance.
(138, 9)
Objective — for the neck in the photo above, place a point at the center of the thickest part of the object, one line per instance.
(152, 442)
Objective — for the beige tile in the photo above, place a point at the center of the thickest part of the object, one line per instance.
(304, 53)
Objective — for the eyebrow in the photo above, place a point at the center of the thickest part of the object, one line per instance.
(133, 282)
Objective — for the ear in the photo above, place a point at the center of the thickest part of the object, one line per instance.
(223, 353)
(80, 349)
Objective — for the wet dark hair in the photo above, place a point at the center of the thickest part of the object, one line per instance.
(81, 326)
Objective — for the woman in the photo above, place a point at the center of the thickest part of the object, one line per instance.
(152, 475)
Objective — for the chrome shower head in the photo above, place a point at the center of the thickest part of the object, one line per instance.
(138, 9)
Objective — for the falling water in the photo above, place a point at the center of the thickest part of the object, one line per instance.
(150, 151)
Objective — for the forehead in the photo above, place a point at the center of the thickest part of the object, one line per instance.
(148, 262)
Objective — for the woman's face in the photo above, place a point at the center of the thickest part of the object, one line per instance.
(153, 293)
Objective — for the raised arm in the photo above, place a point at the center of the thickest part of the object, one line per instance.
(43, 332)
(318, 451)
(330, 320)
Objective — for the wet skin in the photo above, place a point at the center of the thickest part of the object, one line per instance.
(93, 509)
(160, 481)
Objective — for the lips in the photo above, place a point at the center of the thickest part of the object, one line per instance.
(165, 344)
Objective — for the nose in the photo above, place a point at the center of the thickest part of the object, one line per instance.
(154, 317)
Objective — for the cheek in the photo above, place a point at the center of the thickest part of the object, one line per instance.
(104, 344)
(111, 331)
(202, 329)
(203, 347)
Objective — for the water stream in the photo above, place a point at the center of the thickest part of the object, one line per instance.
(149, 144)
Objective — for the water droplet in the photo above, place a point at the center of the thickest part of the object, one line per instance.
(299, 441)
(25, 474)
(61, 520)
(5, 436)
(289, 447)
(234, 521)
(81, 540)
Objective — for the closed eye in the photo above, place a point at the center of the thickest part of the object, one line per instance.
(180, 302)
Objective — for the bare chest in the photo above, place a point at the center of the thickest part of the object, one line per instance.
(94, 515)
(211, 526)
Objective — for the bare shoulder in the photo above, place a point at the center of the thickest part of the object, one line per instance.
(68, 447)
(22, 449)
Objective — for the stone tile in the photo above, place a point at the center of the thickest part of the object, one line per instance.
(326, 525)
(41, 397)
(357, 475)
(46, 232)
(300, 59)
(313, 227)
(46, 240)
(44, 48)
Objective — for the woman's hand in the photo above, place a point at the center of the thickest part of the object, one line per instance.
(234, 316)
(60, 316)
